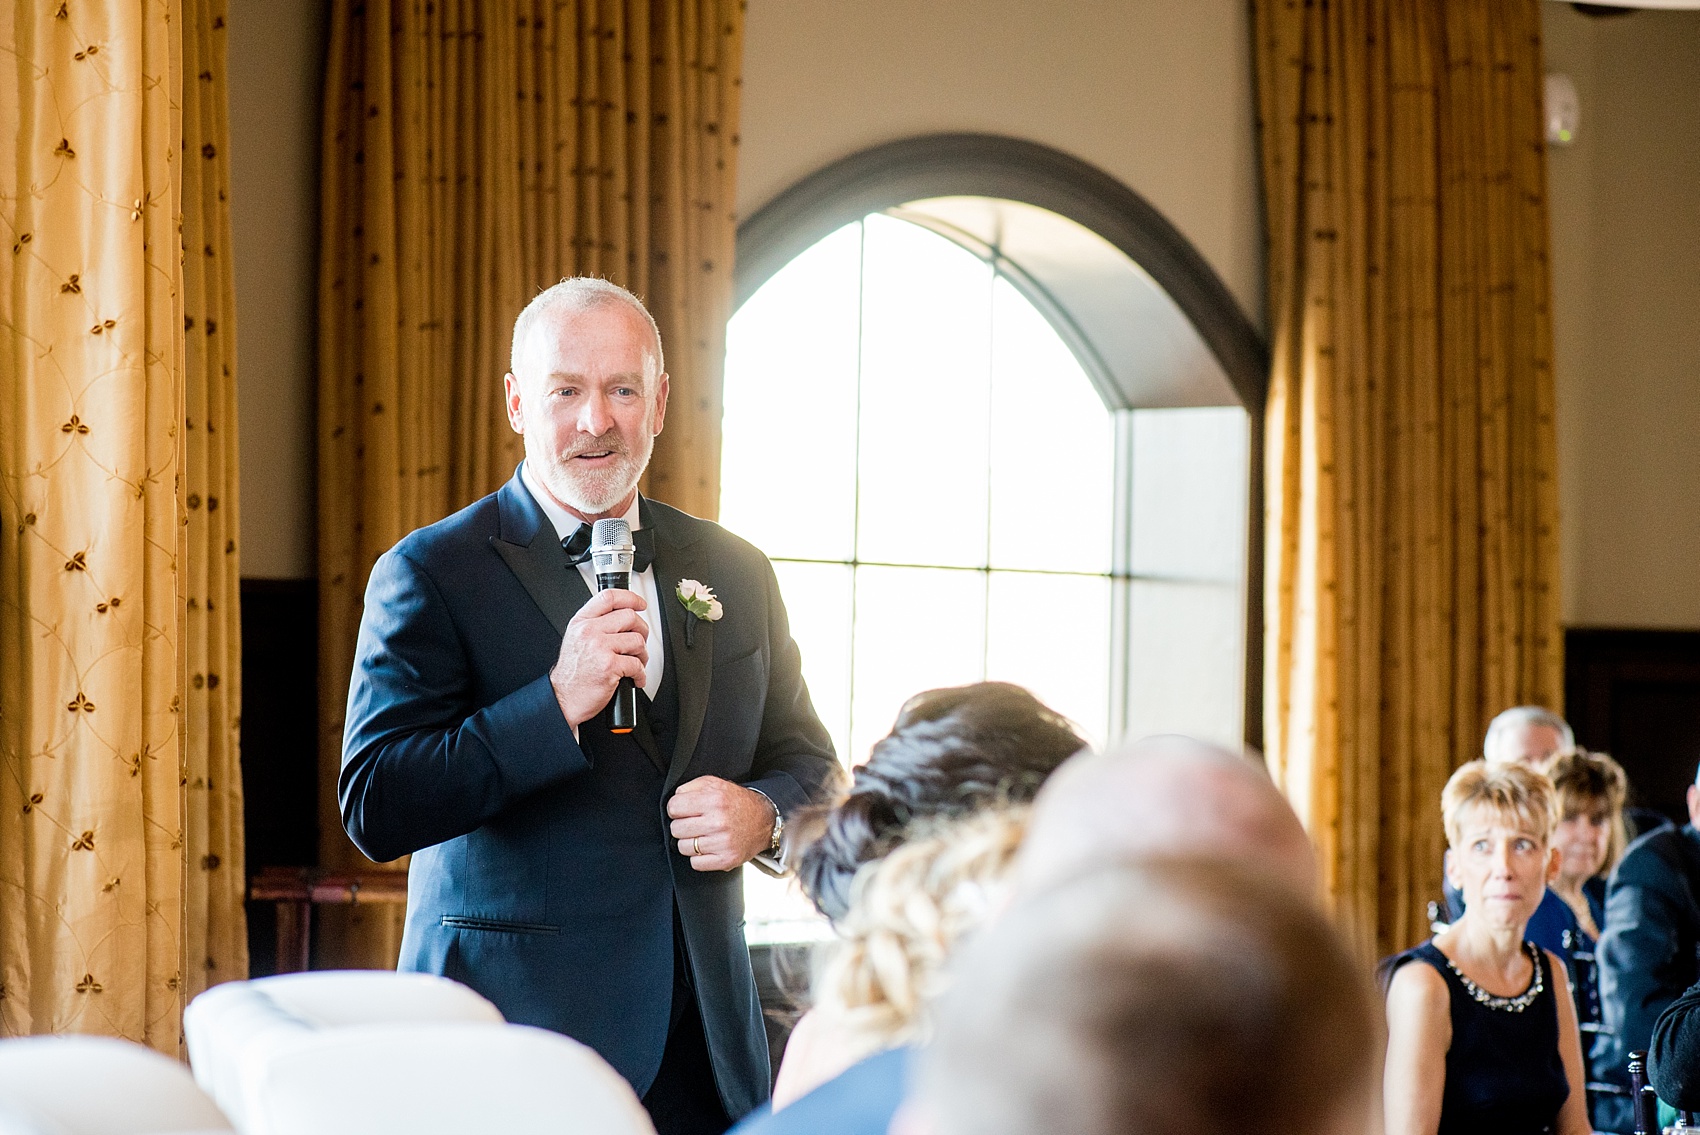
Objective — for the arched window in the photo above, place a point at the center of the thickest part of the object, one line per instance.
(980, 439)
(924, 460)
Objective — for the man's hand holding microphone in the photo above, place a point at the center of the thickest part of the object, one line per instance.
(718, 825)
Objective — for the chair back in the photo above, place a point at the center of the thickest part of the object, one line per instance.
(77, 1085)
(233, 1029)
(1643, 1101)
(444, 1079)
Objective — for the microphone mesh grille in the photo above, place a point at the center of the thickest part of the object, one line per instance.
(610, 533)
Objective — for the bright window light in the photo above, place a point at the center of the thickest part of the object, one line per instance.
(933, 475)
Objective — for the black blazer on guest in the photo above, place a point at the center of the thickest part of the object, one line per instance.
(543, 873)
(1673, 1058)
(1646, 954)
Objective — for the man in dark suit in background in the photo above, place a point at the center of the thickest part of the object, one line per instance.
(1646, 952)
(583, 880)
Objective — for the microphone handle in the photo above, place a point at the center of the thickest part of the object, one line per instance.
(622, 715)
(622, 709)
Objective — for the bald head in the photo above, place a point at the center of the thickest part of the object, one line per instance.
(1163, 796)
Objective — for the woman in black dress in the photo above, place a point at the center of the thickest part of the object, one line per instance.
(1482, 1034)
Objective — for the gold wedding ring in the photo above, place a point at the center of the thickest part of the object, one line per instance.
(696, 846)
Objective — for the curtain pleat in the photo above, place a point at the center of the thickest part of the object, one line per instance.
(215, 944)
(1411, 557)
(474, 154)
(118, 780)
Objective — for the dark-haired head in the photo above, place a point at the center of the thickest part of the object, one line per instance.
(951, 752)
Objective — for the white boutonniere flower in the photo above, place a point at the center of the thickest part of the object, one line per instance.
(698, 599)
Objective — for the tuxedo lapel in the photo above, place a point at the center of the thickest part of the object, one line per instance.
(677, 559)
(528, 545)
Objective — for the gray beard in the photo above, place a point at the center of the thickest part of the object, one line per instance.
(594, 495)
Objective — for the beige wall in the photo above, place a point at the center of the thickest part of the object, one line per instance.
(1155, 92)
(1626, 306)
(276, 68)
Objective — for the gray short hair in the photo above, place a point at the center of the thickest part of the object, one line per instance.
(579, 293)
(1520, 716)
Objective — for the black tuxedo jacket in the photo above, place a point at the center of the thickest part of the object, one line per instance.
(543, 873)
(1645, 956)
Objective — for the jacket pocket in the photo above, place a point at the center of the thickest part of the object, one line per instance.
(496, 925)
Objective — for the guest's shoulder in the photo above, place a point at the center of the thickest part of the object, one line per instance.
(1419, 998)
(1419, 984)
(859, 1101)
(1652, 856)
(1552, 920)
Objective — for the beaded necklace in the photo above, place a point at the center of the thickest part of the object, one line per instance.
(1506, 1004)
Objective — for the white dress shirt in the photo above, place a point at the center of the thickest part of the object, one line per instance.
(642, 582)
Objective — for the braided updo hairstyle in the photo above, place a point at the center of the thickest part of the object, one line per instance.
(951, 753)
(908, 912)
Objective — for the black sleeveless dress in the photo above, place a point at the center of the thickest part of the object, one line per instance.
(1504, 1075)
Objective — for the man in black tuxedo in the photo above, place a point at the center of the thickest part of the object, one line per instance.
(585, 881)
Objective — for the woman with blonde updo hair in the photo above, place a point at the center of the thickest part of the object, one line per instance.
(907, 914)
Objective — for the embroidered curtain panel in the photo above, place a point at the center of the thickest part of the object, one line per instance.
(120, 803)
(1412, 546)
(215, 945)
(475, 153)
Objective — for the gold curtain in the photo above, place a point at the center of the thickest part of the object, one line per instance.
(215, 945)
(475, 153)
(1411, 558)
(100, 726)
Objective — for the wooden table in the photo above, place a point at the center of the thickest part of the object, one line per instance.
(296, 890)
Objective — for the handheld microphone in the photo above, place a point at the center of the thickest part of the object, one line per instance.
(611, 552)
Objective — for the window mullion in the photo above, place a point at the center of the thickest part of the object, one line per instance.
(856, 482)
(1121, 578)
(991, 436)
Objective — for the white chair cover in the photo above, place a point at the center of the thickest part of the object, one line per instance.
(233, 1030)
(450, 1079)
(16, 1122)
(98, 1086)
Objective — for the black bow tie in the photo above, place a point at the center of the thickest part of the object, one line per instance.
(578, 547)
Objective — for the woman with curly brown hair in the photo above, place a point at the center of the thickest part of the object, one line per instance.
(951, 753)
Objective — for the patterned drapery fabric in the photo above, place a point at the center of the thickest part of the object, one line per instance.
(215, 945)
(120, 847)
(1412, 546)
(475, 153)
